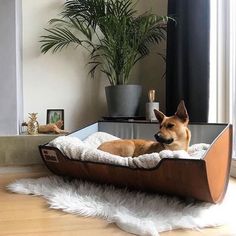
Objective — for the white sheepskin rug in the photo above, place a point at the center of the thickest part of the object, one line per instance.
(134, 212)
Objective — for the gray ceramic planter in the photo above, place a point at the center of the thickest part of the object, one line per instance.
(123, 100)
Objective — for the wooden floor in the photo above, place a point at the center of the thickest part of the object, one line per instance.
(28, 215)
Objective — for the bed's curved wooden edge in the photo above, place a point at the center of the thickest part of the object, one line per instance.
(218, 161)
(180, 177)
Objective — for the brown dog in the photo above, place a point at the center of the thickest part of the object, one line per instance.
(173, 135)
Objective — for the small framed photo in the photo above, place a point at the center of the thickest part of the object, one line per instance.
(54, 115)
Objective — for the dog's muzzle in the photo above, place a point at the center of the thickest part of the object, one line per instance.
(160, 139)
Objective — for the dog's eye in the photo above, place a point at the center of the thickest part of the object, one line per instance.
(169, 126)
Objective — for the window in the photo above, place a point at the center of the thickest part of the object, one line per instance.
(222, 102)
(232, 68)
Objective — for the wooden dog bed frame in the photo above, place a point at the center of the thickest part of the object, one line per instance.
(205, 179)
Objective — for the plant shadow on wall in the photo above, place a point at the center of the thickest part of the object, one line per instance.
(116, 38)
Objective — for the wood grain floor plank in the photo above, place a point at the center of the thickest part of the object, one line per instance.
(25, 215)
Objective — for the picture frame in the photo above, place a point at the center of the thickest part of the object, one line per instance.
(54, 115)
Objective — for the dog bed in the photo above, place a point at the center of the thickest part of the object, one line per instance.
(202, 173)
(86, 150)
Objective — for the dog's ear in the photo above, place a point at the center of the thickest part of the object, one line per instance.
(181, 112)
(159, 115)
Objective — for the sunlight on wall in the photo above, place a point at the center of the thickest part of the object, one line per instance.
(57, 81)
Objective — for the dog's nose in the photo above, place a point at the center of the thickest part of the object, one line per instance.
(158, 136)
(161, 139)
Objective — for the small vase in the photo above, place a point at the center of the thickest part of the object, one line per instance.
(150, 106)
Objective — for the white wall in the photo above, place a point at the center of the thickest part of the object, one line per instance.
(61, 80)
(10, 68)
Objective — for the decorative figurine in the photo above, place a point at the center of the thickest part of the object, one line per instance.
(33, 125)
(34, 128)
(53, 128)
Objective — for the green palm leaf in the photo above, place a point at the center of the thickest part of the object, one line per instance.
(115, 37)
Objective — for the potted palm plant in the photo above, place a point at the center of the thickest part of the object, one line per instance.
(116, 38)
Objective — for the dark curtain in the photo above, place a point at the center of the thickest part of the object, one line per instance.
(187, 62)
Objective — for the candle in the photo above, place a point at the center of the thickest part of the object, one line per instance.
(151, 95)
